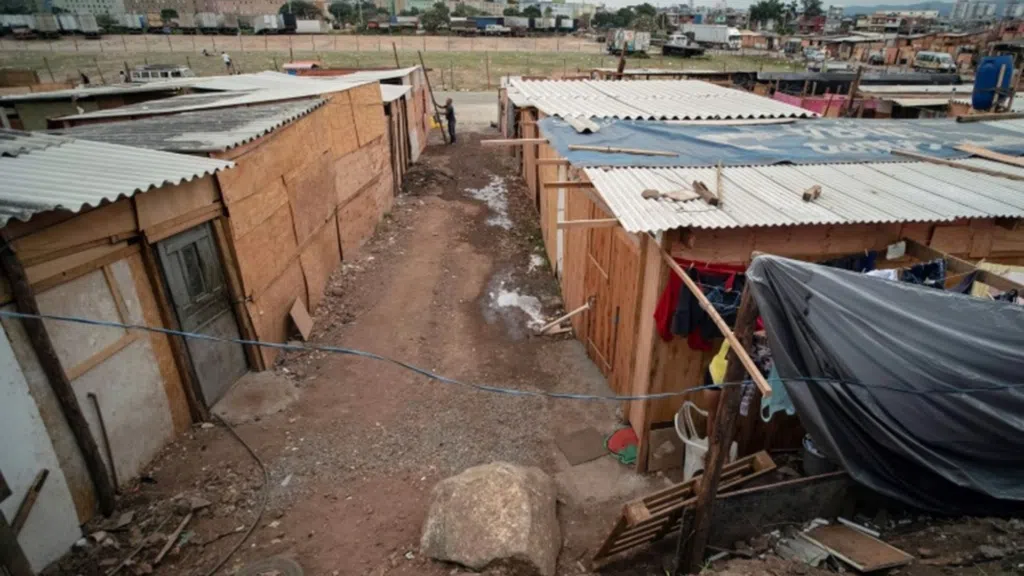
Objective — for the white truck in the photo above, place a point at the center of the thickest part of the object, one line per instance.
(629, 42)
(713, 35)
(309, 27)
(266, 24)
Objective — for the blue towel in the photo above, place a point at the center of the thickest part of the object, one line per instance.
(778, 401)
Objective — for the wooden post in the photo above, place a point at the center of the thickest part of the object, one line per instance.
(437, 112)
(622, 64)
(844, 110)
(52, 77)
(395, 50)
(690, 558)
(487, 67)
(50, 363)
(98, 69)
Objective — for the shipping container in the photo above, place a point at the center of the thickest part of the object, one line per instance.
(133, 22)
(68, 23)
(514, 22)
(208, 21)
(565, 23)
(87, 25)
(186, 22)
(266, 24)
(229, 23)
(309, 27)
(46, 25)
(12, 21)
(713, 35)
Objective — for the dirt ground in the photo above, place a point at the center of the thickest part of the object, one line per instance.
(353, 446)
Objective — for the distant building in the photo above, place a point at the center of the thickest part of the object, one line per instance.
(973, 10)
(833, 19)
(901, 22)
(97, 7)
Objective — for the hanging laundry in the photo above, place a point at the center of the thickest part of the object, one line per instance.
(887, 274)
(690, 320)
(864, 262)
(779, 401)
(931, 274)
(668, 301)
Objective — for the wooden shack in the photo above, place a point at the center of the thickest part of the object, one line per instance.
(313, 178)
(608, 245)
(86, 228)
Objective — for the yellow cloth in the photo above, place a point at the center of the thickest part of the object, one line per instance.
(718, 364)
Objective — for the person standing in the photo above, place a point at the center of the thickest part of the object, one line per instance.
(227, 61)
(449, 116)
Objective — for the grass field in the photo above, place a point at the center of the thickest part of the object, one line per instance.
(449, 70)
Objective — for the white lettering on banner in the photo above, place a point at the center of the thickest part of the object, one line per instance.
(872, 147)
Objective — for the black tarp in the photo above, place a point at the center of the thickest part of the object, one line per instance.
(924, 402)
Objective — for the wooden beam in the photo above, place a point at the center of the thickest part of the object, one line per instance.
(960, 266)
(951, 164)
(614, 150)
(987, 154)
(25, 299)
(514, 141)
(644, 366)
(706, 194)
(21, 515)
(568, 184)
(990, 116)
(11, 556)
(229, 261)
(734, 342)
(691, 560)
(552, 162)
(597, 223)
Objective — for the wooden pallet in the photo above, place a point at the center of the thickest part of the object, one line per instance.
(653, 517)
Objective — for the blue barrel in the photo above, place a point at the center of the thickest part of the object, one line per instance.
(985, 80)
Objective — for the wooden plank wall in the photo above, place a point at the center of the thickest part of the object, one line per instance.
(90, 265)
(529, 130)
(299, 200)
(548, 203)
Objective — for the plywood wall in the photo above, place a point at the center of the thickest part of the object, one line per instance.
(300, 199)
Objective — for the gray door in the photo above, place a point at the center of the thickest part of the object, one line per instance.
(196, 281)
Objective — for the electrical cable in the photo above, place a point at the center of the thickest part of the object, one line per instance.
(473, 385)
(263, 498)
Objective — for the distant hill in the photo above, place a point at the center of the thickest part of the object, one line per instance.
(944, 8)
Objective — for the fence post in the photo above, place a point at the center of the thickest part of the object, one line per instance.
(169, 46)
(47, 62)
(98, 69)
(487, 66)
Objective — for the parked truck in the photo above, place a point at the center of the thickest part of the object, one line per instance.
(629, 42)
(154, 22)
(187, 23)
(68, 23)
(228, 23)
(87, 25)
(46, 25)
(266, 24)
(713, 35)
(134, 23)
(309, 26)
(208, 22)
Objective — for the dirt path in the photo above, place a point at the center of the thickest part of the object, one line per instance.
(353, 458)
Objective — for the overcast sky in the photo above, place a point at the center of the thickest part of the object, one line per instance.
(747, 3)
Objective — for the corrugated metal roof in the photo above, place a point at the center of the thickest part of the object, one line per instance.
(646, 100)
(44, 172)
(193, 102)
(390, 92)
(772, 195)
(86, 92)
(198, 132)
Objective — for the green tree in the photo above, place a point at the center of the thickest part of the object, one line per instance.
(765, 10)
(644, 23)
(58, 10)
(645, 9)
(585, 20)
(548, 11)
(532, 12)
(603, 20)
(624, 17)
(436, 17)
(168, 14)
(105, 21)
(343, 12)
(811, 8)
(410, 12)
(300, 8)
(16, 7)
(511, 11)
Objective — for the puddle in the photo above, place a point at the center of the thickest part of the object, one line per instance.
(495, 195)
(519, 312)
(536, 261)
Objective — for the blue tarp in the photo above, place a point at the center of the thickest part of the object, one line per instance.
(801, 142)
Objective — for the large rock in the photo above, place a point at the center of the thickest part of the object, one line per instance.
(495, 514)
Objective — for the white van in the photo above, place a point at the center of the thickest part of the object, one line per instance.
(934, 62)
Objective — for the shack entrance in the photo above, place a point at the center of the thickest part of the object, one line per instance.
(195, 279)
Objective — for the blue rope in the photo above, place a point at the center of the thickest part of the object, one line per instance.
(481, 387)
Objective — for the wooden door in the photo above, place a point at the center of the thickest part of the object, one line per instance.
(195, 281)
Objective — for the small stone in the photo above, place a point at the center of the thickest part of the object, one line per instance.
(926, 553)
(410, 556)
(788, 472)
(143, 568)
(207, 425)
(98, 536)
(198, 503)
(182, 506)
